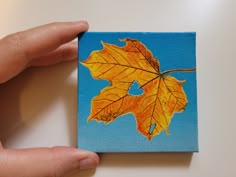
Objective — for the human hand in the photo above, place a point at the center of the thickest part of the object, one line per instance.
(40, 46)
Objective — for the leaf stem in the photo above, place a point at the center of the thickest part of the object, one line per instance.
(178, 70)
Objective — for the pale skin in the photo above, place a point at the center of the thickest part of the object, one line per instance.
(44, 45)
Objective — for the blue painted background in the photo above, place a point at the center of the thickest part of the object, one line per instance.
(174, 50)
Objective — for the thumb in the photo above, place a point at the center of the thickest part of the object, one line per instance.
(45, 162)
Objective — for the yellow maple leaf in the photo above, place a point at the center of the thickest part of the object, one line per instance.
(122, 66)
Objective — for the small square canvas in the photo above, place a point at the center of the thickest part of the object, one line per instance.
(137, 92)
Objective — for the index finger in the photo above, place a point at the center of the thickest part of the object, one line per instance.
(18, 49)
(43, 39)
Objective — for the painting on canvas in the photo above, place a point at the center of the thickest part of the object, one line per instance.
(137, 92)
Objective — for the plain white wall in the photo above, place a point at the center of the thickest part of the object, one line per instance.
(38, 108)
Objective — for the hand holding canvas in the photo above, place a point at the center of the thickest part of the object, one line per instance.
(41, 46)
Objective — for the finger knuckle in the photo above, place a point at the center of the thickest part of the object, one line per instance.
(16, 40)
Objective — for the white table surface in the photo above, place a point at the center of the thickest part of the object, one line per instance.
(38, 108)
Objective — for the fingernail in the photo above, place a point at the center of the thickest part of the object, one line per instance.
(88, 163)
(81, 22)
